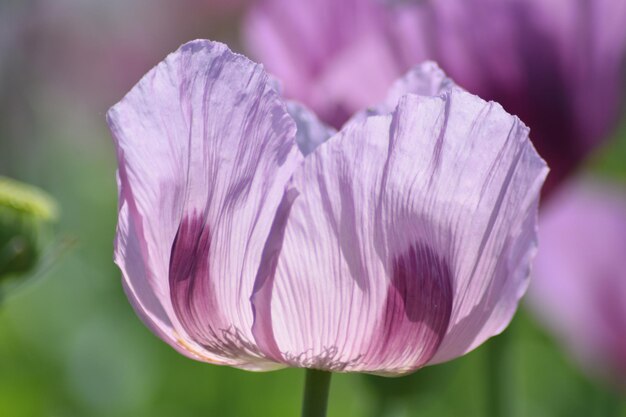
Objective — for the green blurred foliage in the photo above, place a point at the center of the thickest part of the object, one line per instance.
(609, 162)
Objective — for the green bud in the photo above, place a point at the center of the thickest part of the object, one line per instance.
(25, 214)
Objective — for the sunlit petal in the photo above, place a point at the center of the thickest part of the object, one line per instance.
(205, 148)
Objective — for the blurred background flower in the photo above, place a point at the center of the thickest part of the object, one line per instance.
(580, 286)
(72, 341)
(558, 65)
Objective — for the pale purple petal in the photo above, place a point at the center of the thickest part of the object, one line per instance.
(311, 131)
(579, 284)
(205, 148)
(409, 242)
(425, 79)
(501, 183)
(129, 252)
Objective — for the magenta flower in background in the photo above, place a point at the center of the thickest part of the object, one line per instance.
(580, 290)
(333, 56)
(558, 65)
(403, 240)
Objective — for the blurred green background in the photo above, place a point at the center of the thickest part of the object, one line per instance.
(70, 344)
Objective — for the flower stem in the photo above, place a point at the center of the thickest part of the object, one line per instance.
(316, 387)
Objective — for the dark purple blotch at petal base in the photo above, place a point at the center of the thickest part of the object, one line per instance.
(193, 298)
(193, 295)
(416, 311)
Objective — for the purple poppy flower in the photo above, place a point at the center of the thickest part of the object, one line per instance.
(580, 290)
(403, 240)
(556, 64)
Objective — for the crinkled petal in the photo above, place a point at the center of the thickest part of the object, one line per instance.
(409, 242)
(129, 250)
(205, 148)
(579, 283)
(425, 79)
(501, 181)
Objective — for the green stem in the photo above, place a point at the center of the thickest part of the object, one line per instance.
(316, 387)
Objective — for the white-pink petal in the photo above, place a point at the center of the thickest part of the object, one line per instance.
(205, 148)
(403, 240)
(410, 240)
